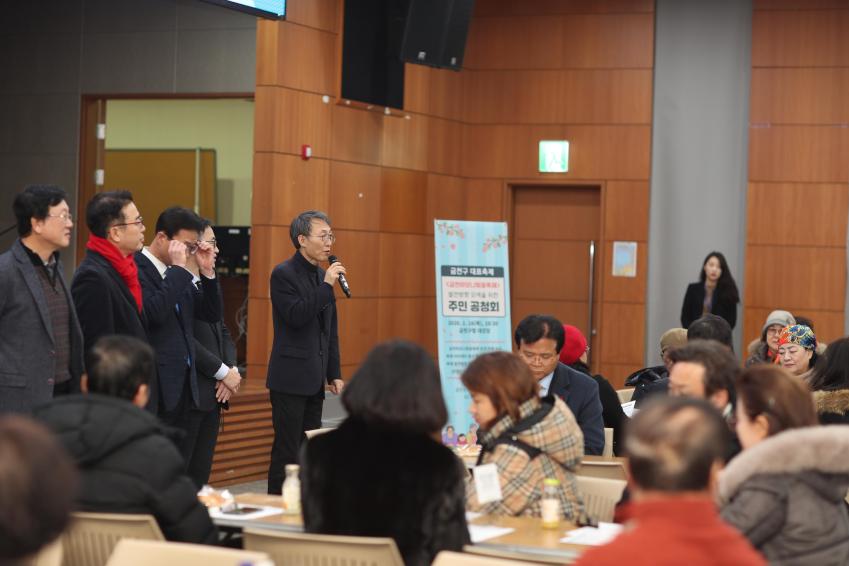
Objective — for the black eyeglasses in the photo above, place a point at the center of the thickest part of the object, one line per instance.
(138, 220)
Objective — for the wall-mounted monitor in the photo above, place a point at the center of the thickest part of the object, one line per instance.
(271, 9)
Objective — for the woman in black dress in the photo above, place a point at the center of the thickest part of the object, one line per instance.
(715, 293)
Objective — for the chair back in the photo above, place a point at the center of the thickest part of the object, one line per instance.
(91, 537)
(600, 467)
(50, 555)
(491, 555)
(302, 549)
(316, 432)
(625, 395)
(130, 552)
(600, 496)
(448, 558)
(608, 442)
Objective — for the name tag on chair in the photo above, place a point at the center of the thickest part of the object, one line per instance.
(487, 485)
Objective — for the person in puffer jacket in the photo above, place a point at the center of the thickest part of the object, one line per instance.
(527, 438)
(126, 460)
(785, 492)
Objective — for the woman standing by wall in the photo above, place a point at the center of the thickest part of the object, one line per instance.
(714, 293)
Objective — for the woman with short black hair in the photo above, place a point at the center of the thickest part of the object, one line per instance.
(383, 472)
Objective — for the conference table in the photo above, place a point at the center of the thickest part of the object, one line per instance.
(527, 540)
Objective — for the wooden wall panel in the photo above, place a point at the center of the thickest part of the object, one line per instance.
(624, 289)
(800, 95)
(444, 146)
(799, 153)
(501, 8)
(626, 210)
(313, 73)
(319, 14)
(406, 265)
(288, 119)
(354, 201)
(266, 52)
(356, 135)
(535, 266)
(621, 333)
(485, 199)
(577, 96)
(403, 197)
(358, 327)
(795, 277)
(798, 4)
(273, 243)
(446, 199)
(261, 332)
(775, 210)
(405, 142)
(800, 38)
(292, 184)
(564, 213)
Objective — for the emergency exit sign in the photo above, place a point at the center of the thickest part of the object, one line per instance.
(553, 156)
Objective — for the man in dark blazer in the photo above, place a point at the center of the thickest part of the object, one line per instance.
(539, 339)
(106, 289)
(172, 302)
(305, 352)
(41, 345)
(218, 379)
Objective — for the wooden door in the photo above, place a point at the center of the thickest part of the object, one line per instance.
(550, 273)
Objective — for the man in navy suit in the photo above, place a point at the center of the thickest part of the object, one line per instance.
(305, 352)
(539, 339)
(173, 298)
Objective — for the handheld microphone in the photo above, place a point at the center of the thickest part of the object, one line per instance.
(342, 281)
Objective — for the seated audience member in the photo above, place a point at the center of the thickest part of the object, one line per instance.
(708, 327)
(675, 448)
(797, 350)
(672, 338)
(539, 340)
(805, 321)
(785, 491)
(38, 483)
(830, 383)
(706, 369)
(126, 462)
(527, 438)
(383, 472)
(765, 349)
(574, 355)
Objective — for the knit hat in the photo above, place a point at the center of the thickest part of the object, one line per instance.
(783, 318)
(798, 334)
(574, 345)
(673, 338)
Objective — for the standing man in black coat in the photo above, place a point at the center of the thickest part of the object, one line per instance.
(218, 378)
(106, 289)
(171, 304)
(305, 352)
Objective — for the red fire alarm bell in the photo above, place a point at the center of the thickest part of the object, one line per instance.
(306, 152)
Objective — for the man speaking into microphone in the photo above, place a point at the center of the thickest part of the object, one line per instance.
(305, 352)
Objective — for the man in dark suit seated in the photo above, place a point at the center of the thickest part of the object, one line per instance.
(172, 302)
(539, 339)
(127, 462)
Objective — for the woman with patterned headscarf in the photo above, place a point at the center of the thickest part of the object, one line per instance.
(797, 349)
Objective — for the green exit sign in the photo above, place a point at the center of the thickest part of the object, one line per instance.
(553, 156)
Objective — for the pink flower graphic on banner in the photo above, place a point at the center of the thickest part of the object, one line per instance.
(450, 229)
(494, 242)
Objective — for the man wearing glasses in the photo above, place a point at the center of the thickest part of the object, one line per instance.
(539, 339)
(106, 289)
(41, 345)
(172, 303)
(305, 352)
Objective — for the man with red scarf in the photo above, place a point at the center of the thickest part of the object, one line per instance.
(106, 287)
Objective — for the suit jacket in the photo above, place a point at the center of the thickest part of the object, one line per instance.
(693, 305)
(213, 346)
(305, 351)
(171, 329)
(27, 357)
(105, 306)
(580, 392)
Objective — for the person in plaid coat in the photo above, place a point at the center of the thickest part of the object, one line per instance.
(527, 438)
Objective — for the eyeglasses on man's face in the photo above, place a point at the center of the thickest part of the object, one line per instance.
(138, 221)
(64, 217)
(328, 238)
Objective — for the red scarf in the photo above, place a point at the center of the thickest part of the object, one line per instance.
(125, 266)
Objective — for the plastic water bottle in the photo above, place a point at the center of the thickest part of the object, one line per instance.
(292, 489)
(550, 503)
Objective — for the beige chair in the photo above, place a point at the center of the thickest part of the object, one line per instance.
(611, 469)
(608, 443)
(317, 431)
(492, 555)
(301, 549)
(600, 496)
(131, 552)
(448, 558)
(625, 395)
(50, 555)
(91, 537)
